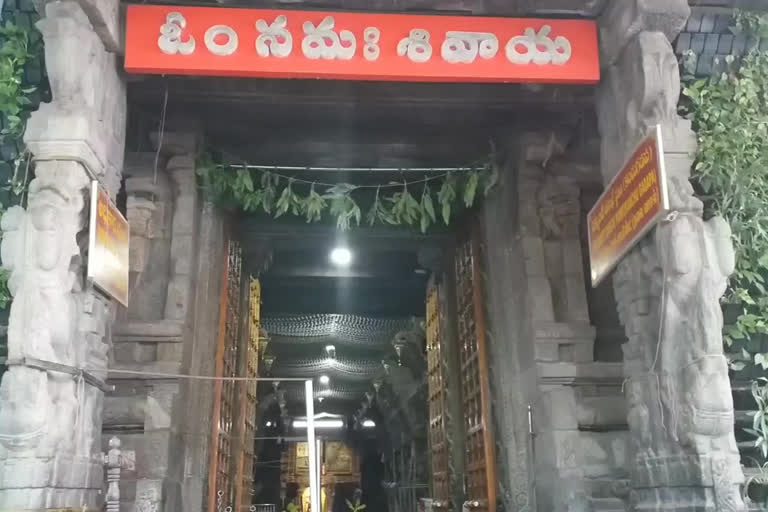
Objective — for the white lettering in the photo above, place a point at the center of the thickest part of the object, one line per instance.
(215, 48)
(371, 36)
(538, 48)
(416, 46)
(275, 39)
(466, 46)
(170, 41)
(323, 42)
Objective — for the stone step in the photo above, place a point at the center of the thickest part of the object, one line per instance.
(606, 505)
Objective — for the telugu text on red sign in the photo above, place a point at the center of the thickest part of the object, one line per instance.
(358, 46)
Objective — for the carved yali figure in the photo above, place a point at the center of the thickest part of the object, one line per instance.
(39, 252)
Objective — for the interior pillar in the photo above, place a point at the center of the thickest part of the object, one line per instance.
(684, 455)
(50, 420)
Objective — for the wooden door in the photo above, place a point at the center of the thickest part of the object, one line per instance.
(471, 333)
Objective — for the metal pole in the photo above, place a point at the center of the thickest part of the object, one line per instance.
(314, 492)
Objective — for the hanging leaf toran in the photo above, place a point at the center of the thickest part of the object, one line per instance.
(420, 202)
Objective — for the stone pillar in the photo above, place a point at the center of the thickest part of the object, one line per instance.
(680, 410)
(51, 398)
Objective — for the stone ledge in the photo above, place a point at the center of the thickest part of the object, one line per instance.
(575, 374)
(562, 330)
(163, 331)
(564, 342)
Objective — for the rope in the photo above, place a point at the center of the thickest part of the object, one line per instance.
(653, 372)
(444, 171)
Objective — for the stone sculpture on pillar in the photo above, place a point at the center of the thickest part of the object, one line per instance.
(668, 287)
(51, 396)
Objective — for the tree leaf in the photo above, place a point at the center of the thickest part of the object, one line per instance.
(470, 188)
(284, 202)
(314, 205)
(427, 205)
(269, 194)
(446, 196)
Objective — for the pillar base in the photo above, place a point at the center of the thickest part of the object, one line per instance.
(34, 483)
(687, 483)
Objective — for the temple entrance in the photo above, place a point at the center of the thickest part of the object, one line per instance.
(388, 322)
(369, 316)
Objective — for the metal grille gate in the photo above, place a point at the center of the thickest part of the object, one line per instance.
(479, 440)
(438, 444)
(230, 477)
(248, 404)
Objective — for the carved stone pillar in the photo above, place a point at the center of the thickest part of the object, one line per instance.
(52, 396)
(668, 287)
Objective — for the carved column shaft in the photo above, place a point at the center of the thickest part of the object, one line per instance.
(668, 287)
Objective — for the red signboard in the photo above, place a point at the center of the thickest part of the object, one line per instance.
(631, 205)
(358, 46)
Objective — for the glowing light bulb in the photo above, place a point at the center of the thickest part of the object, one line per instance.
(341, 256)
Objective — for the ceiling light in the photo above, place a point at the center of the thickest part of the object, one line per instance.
(341, 256)
(269, 423)
(324, 379)
(369, 423)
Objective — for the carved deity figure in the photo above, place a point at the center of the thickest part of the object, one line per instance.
(668, 291)
(39, 251)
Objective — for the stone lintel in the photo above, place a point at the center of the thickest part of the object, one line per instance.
(175, 143)
(105, 18)
(624, 19)
(564, 342)
(541, 146)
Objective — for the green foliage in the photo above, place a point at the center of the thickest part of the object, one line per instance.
(730, 116)
(760, 420)
(15, 52)
(750, 23)
(396, 204)
(356, 506)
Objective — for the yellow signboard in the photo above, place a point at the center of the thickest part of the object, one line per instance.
(632, 204)
(108, 246)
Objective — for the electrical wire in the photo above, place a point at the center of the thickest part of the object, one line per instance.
(444, 171)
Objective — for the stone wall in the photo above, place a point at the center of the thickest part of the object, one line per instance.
(170, 328)
(572, 454)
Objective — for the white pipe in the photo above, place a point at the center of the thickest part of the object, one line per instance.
(319, 423)
(348, 169)
(314, 487)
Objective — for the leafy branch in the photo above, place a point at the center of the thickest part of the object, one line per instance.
(17, 49)
(15, 52)
(408, 203)
(730, 115)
